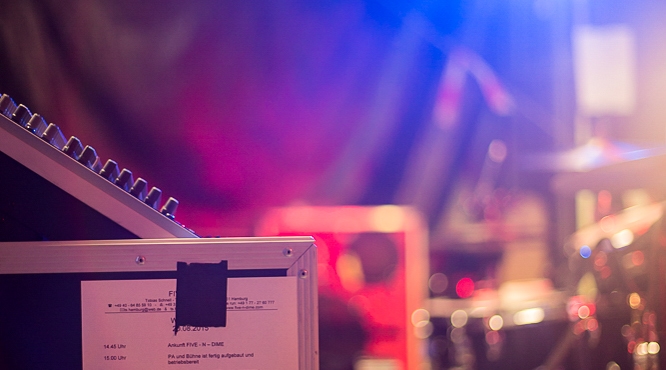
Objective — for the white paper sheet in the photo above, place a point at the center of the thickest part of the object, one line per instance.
(129, 324)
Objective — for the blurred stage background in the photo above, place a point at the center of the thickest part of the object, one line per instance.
(517, 138)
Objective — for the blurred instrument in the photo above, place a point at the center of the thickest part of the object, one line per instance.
(602, 165)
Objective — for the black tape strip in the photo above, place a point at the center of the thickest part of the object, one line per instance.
(201, 294)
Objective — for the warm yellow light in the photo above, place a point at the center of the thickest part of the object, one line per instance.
(634, 300)
(459, 319)
(583, 312)
(377, 364)
(587, 287)
(350, 271)
(420, 315)
(388, 218)
(495, 322)
(622, 239)
(653, 348)
(642, 349)
(529, 316)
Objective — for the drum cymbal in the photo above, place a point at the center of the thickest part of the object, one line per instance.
(603, 165)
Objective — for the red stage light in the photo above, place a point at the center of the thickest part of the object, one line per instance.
(465, 287)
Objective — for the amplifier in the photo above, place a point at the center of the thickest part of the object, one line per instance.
(373, 268)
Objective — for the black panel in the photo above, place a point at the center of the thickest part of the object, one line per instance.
(32, 208)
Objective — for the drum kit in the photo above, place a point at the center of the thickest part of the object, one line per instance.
(617, 265)
(613, 305)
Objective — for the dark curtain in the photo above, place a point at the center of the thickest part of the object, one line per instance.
(232, 107)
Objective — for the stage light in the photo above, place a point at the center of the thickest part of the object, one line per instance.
(653, 348)
(642, 349)
(583, 312)
(438, 283)
(419, 316)
(465, 287)
(387, 218)
(459, 318)
(634, 300)
(529, 316)
(495, 322)
(622, 239)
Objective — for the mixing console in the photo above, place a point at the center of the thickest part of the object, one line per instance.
(53, 188)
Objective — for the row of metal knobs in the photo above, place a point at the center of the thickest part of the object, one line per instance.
(87, 156)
